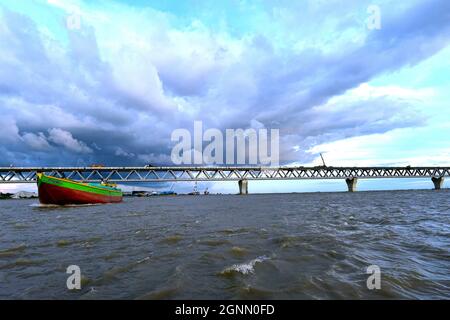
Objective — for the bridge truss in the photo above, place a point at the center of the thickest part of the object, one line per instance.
(173, 174)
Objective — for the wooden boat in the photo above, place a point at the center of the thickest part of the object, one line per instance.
(53, 190)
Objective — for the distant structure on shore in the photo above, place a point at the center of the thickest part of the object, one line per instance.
(138, 193)
(19, 195)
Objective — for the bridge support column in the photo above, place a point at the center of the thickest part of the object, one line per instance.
(351, 184)
(438, 182)
(243, 186)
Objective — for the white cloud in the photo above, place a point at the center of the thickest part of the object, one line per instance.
(367, 91)
(123, 153)
(68, 6)
(400, 147)
(9, 132)
(64, 138)
(36, 141)
(154, 159)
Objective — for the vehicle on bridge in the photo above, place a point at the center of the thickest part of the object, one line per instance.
(97, 165)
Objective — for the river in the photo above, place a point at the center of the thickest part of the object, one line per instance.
(271, 246)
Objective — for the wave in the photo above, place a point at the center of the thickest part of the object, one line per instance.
(172, 239)
(232, 231)
(160, 294)
(238, 251)
(244, 268)
(23, 263)
(87, 243)
(20, 226)
(53, 206)
(170, 289)
(63, 243)
(135, 214)
(111, 256)
(213, 242)
(12, 251)
(288, 241)
(252, 292)
(36, 204)
(112, 273)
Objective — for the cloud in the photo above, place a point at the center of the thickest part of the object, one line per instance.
(123, 153)
(36, 141)
(382, 149)
(65, 139)
(114, 90)
(154, 159)
(9, 132)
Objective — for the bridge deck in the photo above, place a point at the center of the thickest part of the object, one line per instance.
(172, 174)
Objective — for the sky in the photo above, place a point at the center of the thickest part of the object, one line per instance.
(85, 82)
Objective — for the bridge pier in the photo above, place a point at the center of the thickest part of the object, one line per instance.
(351, 184)
(438, 182)
(243, 186)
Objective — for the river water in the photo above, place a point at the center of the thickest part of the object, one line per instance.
(271, 246)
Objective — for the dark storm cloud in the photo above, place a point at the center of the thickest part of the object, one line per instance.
(71, 106)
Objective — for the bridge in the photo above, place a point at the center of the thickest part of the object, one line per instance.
(241, 174)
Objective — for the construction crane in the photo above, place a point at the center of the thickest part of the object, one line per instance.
(323, 161)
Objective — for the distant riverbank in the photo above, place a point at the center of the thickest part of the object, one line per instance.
(18, 195)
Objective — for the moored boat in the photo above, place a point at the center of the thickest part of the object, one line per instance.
(53, 190)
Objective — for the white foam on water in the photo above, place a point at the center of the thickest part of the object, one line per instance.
(41, 205)
(36, 204)
(143, 260)
(245, 268)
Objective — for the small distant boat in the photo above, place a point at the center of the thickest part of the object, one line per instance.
(194, 192)
(53, 190)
